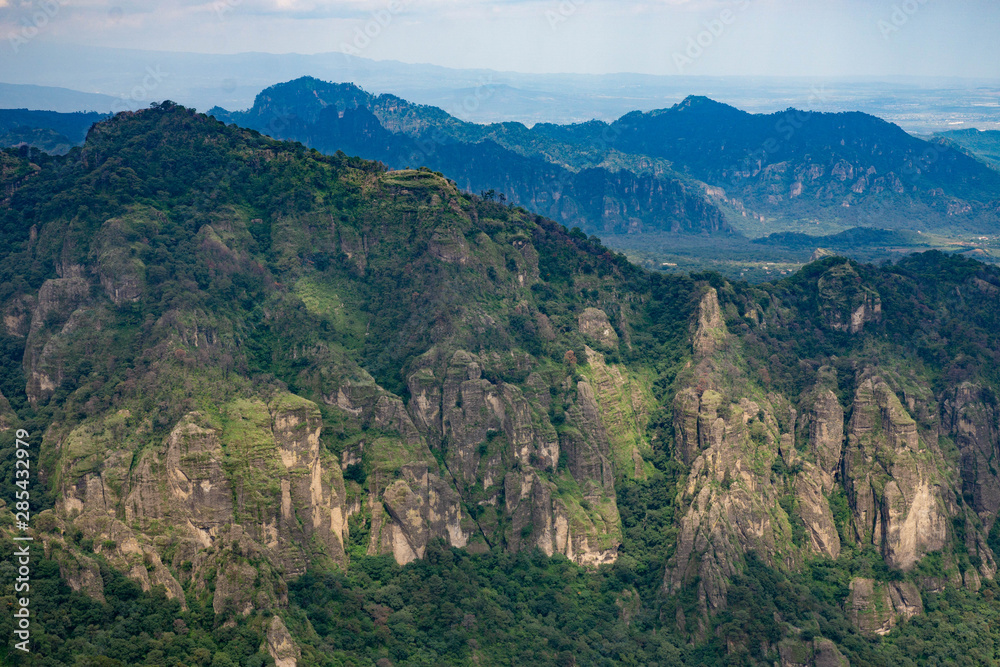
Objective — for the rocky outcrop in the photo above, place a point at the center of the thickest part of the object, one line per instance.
(972, 418)
(57, 314)
(17, 316)
(249, 500)
(711, 331)
(730, 501)
(186, 484)
(421, 507)
(585, 532)
(875, 608)
(814, 510)
(892, 479)
(122, 274)
(501, 451)
(820, 652)
(826, 435)
(586, 445)
(625, 403)
(280, 645)
(845, 302)
(292, 503)
(81, 572)
(449, 245)
(731, 505)
(596, 328)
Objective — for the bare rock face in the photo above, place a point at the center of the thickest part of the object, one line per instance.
(730, 501)
(596, 327)
(449, 245)
(131, 552)
(711, 325)
(731, 506)
(826, 435)
(249, 500)
(586, 533)
(422, 507)
(820, 652)
(17, 316)
(972, 418)
(624, 404)
(587, 446)
(501, 452)
(281, 646)
(892, 479)
(304, 495)
(121, 272)
(876, 607)
(814, 510)
(846, 303)
(197, 489)
(57, 314)
(81, 572)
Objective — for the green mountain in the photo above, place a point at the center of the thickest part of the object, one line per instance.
(984, 145)
(53, 132)
(596, 196)
(846, 167)
(297, 409)
(789, 171)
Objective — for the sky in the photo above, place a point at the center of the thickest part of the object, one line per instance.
(692, 37)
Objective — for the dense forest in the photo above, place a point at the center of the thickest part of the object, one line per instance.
(295, 408)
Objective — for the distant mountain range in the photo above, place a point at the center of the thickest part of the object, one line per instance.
(698, 167)
(50, 98)
(654, 171)
(203, 80)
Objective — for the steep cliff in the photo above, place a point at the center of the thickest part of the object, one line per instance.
(343, 409)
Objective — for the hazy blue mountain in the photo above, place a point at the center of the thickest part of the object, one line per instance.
(49, 98)
(983, 145)
(792, 171)
(601, 200)
(232, 81)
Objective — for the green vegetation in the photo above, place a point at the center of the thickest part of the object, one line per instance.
(175, 265)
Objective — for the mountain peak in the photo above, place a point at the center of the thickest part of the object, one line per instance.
(702, 103)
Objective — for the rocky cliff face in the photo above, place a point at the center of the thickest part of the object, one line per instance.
(228, 495)
(503, 453)
(894, 480)
(875, 608)
(424, 367)
(730, 499)
(970, 416)
(760, 465)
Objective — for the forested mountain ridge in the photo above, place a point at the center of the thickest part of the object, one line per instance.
(347, 415)
(768, 172)
(571, 184)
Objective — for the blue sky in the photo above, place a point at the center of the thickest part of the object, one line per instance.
(709, 37)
